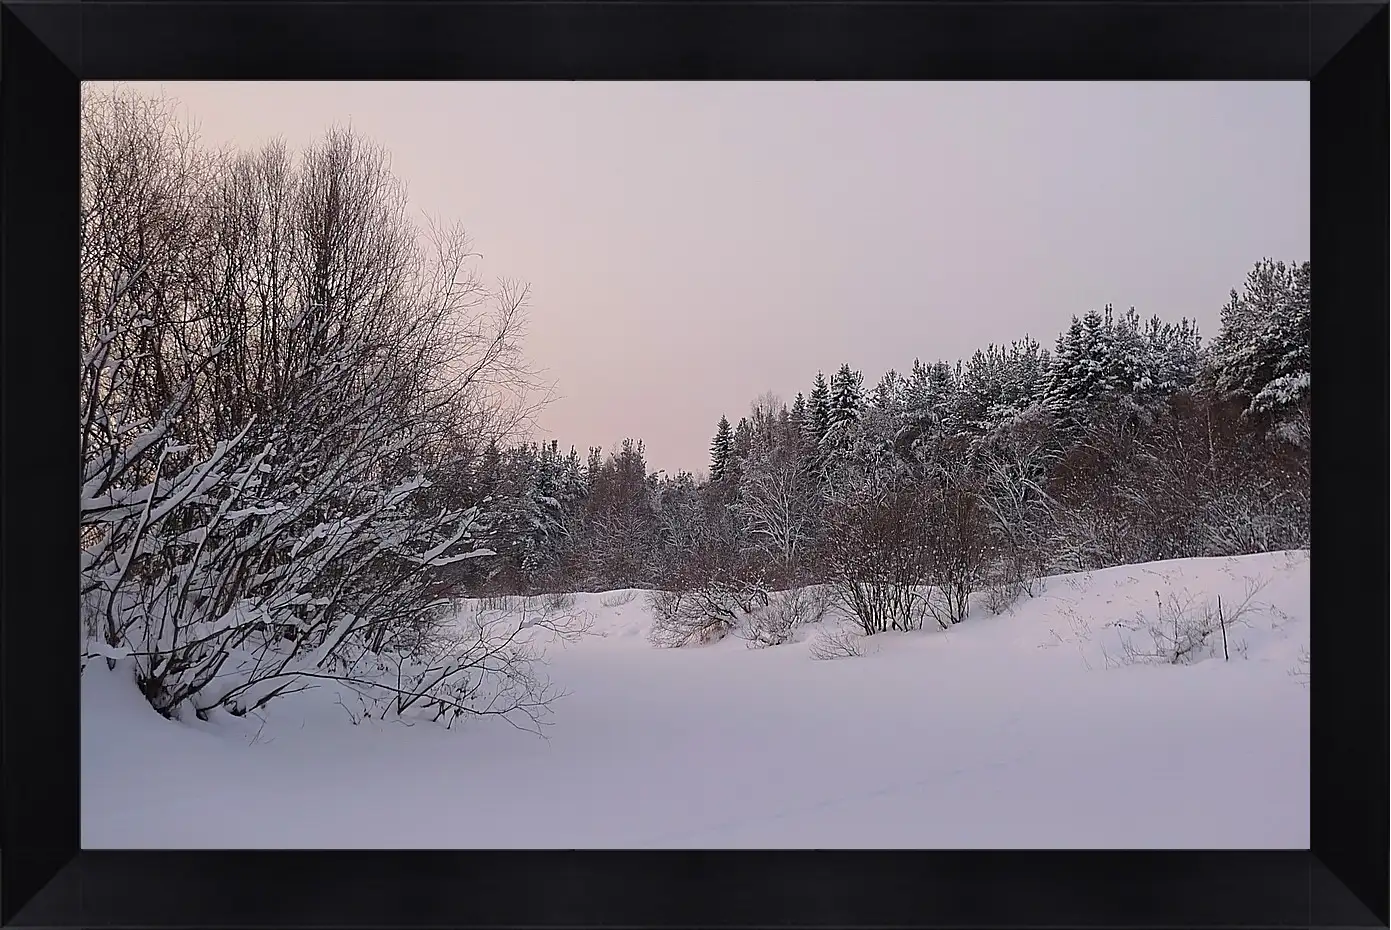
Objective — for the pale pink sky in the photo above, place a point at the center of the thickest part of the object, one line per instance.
(692, 245)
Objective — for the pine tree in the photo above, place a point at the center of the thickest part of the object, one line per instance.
(887, 392)
(1024, 367)
(1261, 353)
(799, 411)
(540, 512)
(742, 444)
(982, 388)
(785, 434)
(721, 450)
(1062, 386)
(942, 384)
(917, 392)
(1099, 376)
(594, 468)
(1087, 369)
(488, 476)
(574, 485)
(818, 409)
(845, 402)
(1128, 374)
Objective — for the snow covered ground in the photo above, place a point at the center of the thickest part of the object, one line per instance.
(1009, 731)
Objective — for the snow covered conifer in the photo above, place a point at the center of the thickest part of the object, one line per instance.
(799, 411)
(594, 467)
(741, 446)
(846, 402)
(818, 411)
(721, 450)
(1261, 353)
(917, 390)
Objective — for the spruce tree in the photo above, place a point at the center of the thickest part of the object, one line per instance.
(489, 471)
(887, 391)
(574, 477)
(818, 409)
(1024, 366)
(721, 450)
(740, 448)
(846, 401)
(595, 467)
(917, 391)
(799, 410)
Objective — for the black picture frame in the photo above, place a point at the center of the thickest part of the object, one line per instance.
(47, 47)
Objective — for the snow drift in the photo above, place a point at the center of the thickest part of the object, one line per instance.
(1056, 724)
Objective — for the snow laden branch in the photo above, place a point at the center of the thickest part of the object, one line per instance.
(273, 358)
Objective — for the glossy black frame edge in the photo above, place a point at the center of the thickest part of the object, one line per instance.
(46, 47)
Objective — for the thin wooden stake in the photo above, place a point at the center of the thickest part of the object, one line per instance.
(1226, 656)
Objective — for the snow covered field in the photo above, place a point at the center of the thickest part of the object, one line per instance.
(1010, 731)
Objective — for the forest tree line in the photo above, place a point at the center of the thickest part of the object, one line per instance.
(1128, 441)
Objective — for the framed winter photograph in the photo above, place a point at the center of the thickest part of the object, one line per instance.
(341, 516)
(830, 483)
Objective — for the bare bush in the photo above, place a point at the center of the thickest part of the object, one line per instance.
(958, 550)
(618, 598)
(843, 643)
(1003, 591)
(499, 603)
(879, 558)
(705, 612)
(1079, 635)
(560, 601)
(787, 611)
(1087, 538)
(1184, 630)
(1300, 672)
(1240, 522)
(1018, 512)
(481, 661)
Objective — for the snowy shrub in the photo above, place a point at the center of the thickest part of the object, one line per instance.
(618, 598)
(705, 612)
(880, 557)
(560, 601)
(843, 643)
(880, 607)
(787, 611)
(1236, 523)
(1086, 539)
(1003, 591)
(481, 662)
(271, 355)
(958, 552)
(1018, 512)
(1184, 630)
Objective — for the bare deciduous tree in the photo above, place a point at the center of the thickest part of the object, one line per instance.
(274, 360)
(958, 549)
(778, 501)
